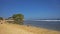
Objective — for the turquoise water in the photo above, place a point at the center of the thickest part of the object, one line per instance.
(53, 25)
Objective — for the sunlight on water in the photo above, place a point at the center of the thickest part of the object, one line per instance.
(46, 20)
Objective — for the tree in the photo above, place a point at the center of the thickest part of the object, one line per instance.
(9, 17)
(18, 18)
(1, 18)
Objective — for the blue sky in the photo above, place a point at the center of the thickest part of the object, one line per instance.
(32, 9)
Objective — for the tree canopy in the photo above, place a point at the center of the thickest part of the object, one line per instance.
(18, 18)
(1, 18)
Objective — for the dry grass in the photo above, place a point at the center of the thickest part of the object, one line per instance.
(23, 29)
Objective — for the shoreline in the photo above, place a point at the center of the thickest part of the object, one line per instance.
(17, 29)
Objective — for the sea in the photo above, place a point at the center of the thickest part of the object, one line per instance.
(52, 25)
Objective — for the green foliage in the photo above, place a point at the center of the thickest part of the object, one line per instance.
(9, 17)
(18, 18)
(1, 18)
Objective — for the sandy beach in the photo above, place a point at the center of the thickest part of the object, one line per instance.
(23, 29)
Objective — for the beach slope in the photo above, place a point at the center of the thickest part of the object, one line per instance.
(23, 29)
